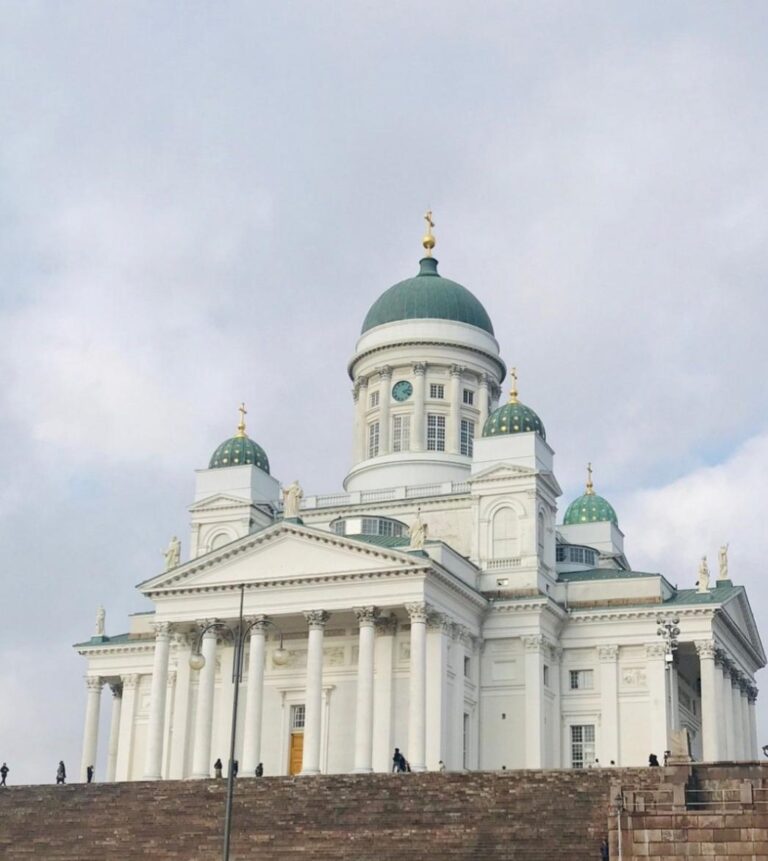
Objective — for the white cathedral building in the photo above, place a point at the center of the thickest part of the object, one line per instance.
(439, 604)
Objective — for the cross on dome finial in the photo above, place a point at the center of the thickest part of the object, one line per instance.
(590, 486)
(429, 240)
(241, 426)
(513, 391)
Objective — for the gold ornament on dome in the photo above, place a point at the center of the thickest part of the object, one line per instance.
(428, 240)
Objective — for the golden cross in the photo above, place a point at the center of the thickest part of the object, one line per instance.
(428, 241)
(243, 413)
(428, 219)
(590, 486)
(513, 390)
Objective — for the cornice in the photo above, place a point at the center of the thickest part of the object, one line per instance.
(136, 648)
(642, 613)
(423, 342)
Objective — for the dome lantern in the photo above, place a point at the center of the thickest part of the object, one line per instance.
(239, 450)
(589, 507)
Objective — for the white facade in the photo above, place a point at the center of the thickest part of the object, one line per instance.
(505, 641)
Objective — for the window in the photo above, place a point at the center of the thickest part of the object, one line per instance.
(382, 526)
(560, 554)
(297, 716)
(546, 676)
(582, 745)
(582, 680)
(467, 437)
(467, 666)
(373, 439)
(469, 397)
(506, 541)
(401, 433)
(435, 433)
(589, 557)
(338, 527)
(373, 399)
(577, 554)
(437, 391)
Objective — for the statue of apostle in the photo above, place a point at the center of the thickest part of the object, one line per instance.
(723, 557)
(703, 575)
(100, 616)
(172, 554)
(418, 533)
(292, 499)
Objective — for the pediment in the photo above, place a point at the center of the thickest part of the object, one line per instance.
(219, 500)
(740, 613)
(281, 553)
(501, 471)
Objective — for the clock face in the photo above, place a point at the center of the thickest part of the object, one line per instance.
(402, 390)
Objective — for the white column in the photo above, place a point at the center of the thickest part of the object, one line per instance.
(385, 399)
(483, 400)
(709, 693)
(127, 727)
(417, 716)
(153, 769)
(366, 617)
(254, 699)
(534, 701)
(555, 673)
(91, 730)
(313, 719)
(437, 742)
(419, 437)
(453, 441)
(609, 704)
(655, 654)
(181, 718)
(752, 709)
(459, 637)
(735, 722)
(114, 730)
(384, 661)
(749, 754)
(170, 710)
(723, 680)
(201, 755)
(360, 450)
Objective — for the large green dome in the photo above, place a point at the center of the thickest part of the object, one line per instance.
(239, 450)
(513, 418)
(428, 295)
(590, 508)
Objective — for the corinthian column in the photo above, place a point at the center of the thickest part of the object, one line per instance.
(114, 730)
(366, 617)
(310, 763)
(201, 755)
(417, 712)
(419, 439)
(609, 702)
(359, 451)
(154, 761)
(709, 694)
(453, 441)
(91, 731)
(535, 646)
(655, 657)
(254, 697)
(385, 446)
(482, 405)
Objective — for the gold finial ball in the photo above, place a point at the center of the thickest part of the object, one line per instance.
(428, 242)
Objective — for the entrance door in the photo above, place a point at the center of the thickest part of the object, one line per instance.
(297, 752)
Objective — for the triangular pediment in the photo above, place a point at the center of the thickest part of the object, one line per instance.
(740, 613)
(501, 471)
(281, 553)
(219, 500)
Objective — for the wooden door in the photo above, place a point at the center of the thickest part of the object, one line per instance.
(297, 752)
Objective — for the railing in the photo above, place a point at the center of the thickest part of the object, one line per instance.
(377, 495)
(496, 564)
(416, 491)
(423, 490)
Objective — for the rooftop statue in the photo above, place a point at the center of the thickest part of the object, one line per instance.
(418, 533)
(172, 554)
(100, 616)
(723, 557)
(292, 496)
(703, 575)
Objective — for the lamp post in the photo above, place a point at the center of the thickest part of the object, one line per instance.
(197, 662)
(669, 631)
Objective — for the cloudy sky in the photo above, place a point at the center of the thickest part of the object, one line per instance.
(199, 202)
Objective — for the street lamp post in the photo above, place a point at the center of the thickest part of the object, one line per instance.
(197, 662)
(669, 631)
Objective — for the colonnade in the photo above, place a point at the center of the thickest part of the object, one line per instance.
(165, 754)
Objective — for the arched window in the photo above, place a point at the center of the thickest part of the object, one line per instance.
(506, 534)
(219, 540)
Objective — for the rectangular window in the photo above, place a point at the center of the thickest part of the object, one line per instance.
(373, 439)
(582, 680)
(437, 391)
(560, 554)
(589, 557)
(401, 433)
(582, 745)
(577, 554)
(374, 399)
(469, 397)
(435, 433)
(467, 437)
(297, 716)
(546, 676)
(467, 666)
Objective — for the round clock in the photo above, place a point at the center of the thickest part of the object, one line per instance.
(402, 390)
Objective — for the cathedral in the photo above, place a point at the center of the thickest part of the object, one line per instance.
(444, 603)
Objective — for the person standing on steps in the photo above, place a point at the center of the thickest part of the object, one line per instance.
(653, 760)
(260, 770)
(217, 766)
(604, 851)
(3, 774)
(235, 767)
(89, 774)
(61, 773)
(398, 761)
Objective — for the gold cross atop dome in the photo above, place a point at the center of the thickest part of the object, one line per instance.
(590, 486)
(513, 391)
(241, 427)
(429, 240)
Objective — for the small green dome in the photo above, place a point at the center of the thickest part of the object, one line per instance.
(513, 418)
(590, 508)
(428, 295)
(239, 451)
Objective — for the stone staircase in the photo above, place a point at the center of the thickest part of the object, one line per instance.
(488, 816)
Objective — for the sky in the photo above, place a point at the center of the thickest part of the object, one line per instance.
(199, 202)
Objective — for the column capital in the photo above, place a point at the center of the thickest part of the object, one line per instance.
(420, 368)
(655, 650)
(440, 622)
(162, 630)
(180, 639)
(94, 683)
(366, 616)
(736, 677)
(385, 371)
(130, 682)
(721, 658)
(117, 689)
(608, 654)
(706, 649)
(316, 619)
(534, 643)
(418, 611)
(258, 625)
(456, 370)
(386, 626)
(752, 695)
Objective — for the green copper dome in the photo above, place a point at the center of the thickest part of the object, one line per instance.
(590, 508)
(428, 295)
(513, 418)
(239, 450)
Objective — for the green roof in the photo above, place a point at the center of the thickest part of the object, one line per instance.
(393, 541)
(513, 418)
(590, 508)
(114, 641)
(602, 574)
(428, 295)
(239, 450)
(722, 591)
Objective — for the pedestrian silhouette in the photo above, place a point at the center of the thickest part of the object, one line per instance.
(61, 773)
(604, 851)
(260, 770)
(3, 774)
(235, 767)
(89, 774)
(653, 759)
(398, 761)
(217, 766)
